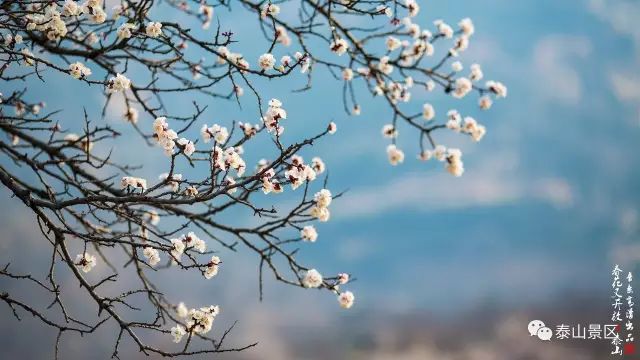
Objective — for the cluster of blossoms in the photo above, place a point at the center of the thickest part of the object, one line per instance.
(47, 18)
(152, 255)
(230, 158)
(212, 267)
(469, 126)
(298, 172)
(124, 31)
(272, 117)
(216, 132)
(133, 182)
(207, 13)
(269, 9)
(186, 242)
(313, 279)
(321, 209)
(79, 71)
(168, 138)
(451, 157)
(172, 181)
(339, 46)
(226, 56)
(85, 262)
(118, 83)
(198, 321)
(405, 49)
(154, 29)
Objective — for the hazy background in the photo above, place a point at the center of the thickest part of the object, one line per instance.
(446, 268)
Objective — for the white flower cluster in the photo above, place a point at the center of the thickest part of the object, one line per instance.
(269, 9)
(339, 46)
(266, 61)
(346, 299)
(298, 172)
(186, 242)
(282, 36)
(321, 209)
(312, 279)
(229, 159)
(199, 321)
(118, 83)
(124, 31)
(395, 155)
(207, 12)
(152, 255)
(154, 29)
(48, 20)
(79, 71)
(85, 262)
(272, 117)
(212, 267)
(173, 182)
(168, 138)
(133, 182)
(224, 55)
(216, 132)
(309, 233)
(451, 157)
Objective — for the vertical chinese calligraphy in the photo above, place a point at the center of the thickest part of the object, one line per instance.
(617, 309)
(629, 346)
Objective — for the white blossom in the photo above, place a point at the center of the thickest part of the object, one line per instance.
(346, 299)
(309, 233)
(318, 165)
(467, 27)
(71, 8)
(131, 115)
(216, 132)
(396, 156)
(152, 255)
(428, 112)
(188, 147)
(476, 73)
(347, 74)
(212, 267)
(312, 279)
(85, 262)
(154, 29)
(134, 182)
(320, 213)
(339, 46)
(79, 71)
(485, 102)
(124, 31)
(389, 131)
(333, 128)
(462, 87)
(444, 29)
(343, 278)
(270, 10)
(456, 66)
(118, 83)
(497, 88)
(323, 198)
(178, 332)
(266, 61)
(454, 163)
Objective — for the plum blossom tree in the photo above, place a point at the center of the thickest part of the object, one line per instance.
(92, 210)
